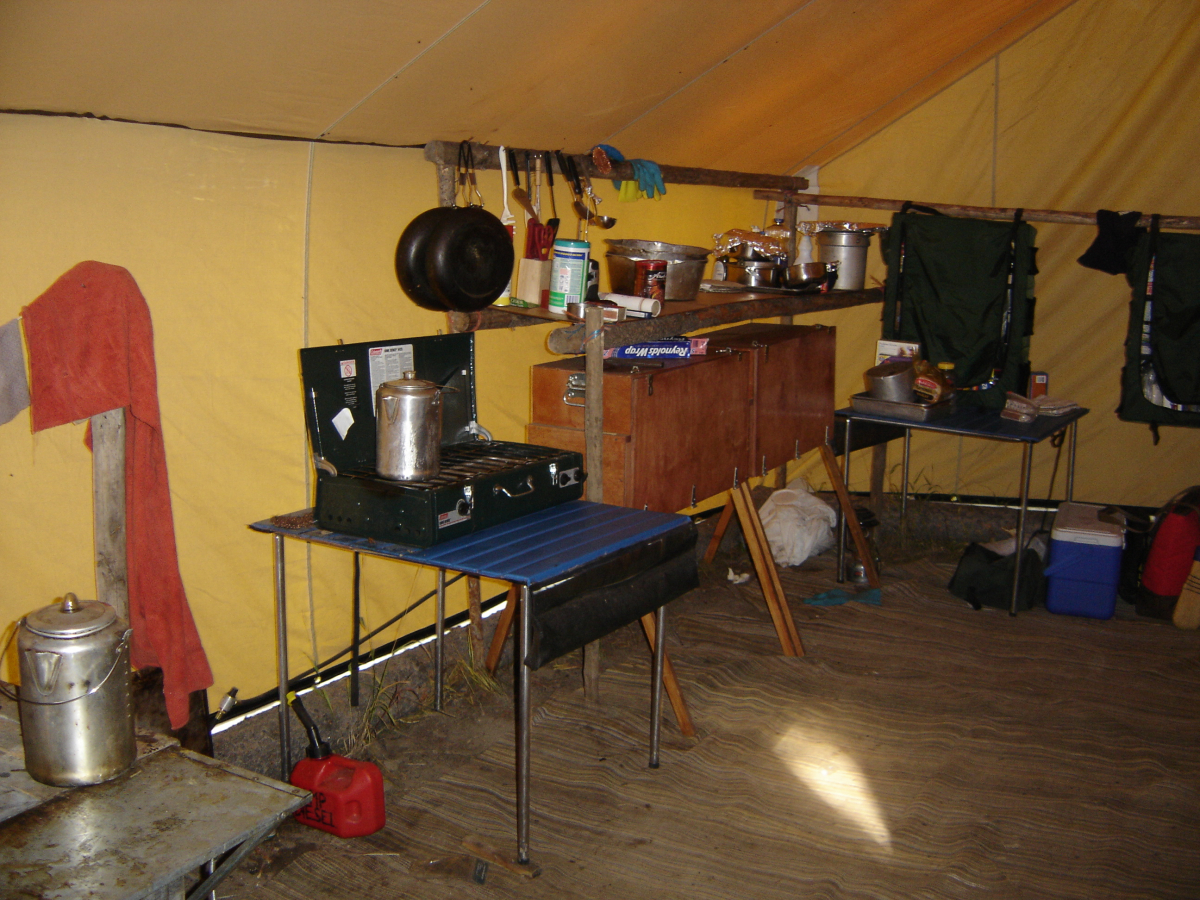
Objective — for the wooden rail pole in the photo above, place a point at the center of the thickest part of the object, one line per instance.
(994, 213)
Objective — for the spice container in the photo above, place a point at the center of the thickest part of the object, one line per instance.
(568, 273)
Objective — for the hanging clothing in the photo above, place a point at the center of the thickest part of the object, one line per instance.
(91, 349)
(1116, 237)
(1160, 383)
(14, 387)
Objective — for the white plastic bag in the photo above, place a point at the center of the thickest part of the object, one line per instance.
(798, 524)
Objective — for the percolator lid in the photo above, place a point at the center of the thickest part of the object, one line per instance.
(71, 617)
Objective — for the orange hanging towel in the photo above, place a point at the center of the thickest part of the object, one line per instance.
(91, 349)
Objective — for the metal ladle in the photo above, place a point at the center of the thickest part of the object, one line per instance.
(595, 218)
(592, 215)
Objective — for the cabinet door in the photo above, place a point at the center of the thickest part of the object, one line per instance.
(691, 429)
(794, 396)
(553, 401)
(618, 483)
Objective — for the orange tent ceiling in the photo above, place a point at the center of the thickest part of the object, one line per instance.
(768, 86)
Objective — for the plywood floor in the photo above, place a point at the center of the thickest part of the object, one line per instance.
(919, 749)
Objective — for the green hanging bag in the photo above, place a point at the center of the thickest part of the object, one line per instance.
(1160, 383)
(963, 289)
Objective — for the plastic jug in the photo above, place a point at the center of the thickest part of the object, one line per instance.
(347, 793)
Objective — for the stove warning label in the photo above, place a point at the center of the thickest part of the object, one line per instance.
(388, 364)
(453, 517)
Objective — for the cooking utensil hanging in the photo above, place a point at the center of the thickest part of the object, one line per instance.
(455, 257)
(553, 222)
(567, 165)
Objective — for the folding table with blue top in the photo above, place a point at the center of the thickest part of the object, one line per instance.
(583, 570)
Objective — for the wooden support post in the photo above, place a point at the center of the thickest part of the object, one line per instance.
(503, 626)
(848, 514)
(764, 565)
(593, 426)
(475, 614)
(670, 682)
(719, 531)
(760, 536)
(108, 510)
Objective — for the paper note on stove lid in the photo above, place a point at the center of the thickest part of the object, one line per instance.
(342, 422)
(388, 364)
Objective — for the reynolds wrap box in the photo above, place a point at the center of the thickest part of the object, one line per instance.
(670, 348)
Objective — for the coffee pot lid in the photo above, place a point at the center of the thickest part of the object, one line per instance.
(409, 384)
(71, 618)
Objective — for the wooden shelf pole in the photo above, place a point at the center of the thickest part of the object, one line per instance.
(994, 213)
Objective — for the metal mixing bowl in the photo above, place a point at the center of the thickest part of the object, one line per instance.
(803, 275)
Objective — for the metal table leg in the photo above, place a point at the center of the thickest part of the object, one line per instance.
(656, 674)
(440, 628)
(1026, 464)
(524, 719)
(904, 486)
(216, 874)
(1071, 460)
(281, 660)
(841, 535)
(355, 637)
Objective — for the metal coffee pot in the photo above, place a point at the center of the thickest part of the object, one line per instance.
(408, 428)
(76, 714)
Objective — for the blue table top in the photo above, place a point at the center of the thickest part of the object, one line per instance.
(536, 549)
(973, 421)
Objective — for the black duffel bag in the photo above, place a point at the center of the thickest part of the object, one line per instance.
(985, 578)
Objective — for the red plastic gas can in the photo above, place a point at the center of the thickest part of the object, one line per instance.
(347, 795)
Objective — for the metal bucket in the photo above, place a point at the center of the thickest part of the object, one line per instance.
(76, 714)
(849, 250)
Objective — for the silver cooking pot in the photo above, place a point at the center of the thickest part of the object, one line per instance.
(408, 428)
(76, 715)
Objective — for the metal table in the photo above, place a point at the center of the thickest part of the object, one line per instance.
(173, 814)
(970, 421)
(532, 551)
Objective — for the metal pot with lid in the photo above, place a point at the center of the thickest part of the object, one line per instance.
(408, 428)
(76, 714)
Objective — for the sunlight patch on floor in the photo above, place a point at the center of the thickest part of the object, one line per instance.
(834, 776)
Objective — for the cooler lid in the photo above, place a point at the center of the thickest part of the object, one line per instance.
(1079, 523)
(340, 383)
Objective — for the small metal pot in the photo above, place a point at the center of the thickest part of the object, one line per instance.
(76, 715)
(752, 273)
(408, 429)
(891, 381)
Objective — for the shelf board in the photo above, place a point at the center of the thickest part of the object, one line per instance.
(678, 317)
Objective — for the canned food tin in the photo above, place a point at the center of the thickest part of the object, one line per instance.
(568, 273)
(650, 278)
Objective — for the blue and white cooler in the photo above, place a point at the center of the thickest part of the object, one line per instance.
(1084, 563)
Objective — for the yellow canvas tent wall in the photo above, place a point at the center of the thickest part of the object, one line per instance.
(249, 248)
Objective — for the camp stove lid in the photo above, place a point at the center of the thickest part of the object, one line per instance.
(340, 382)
